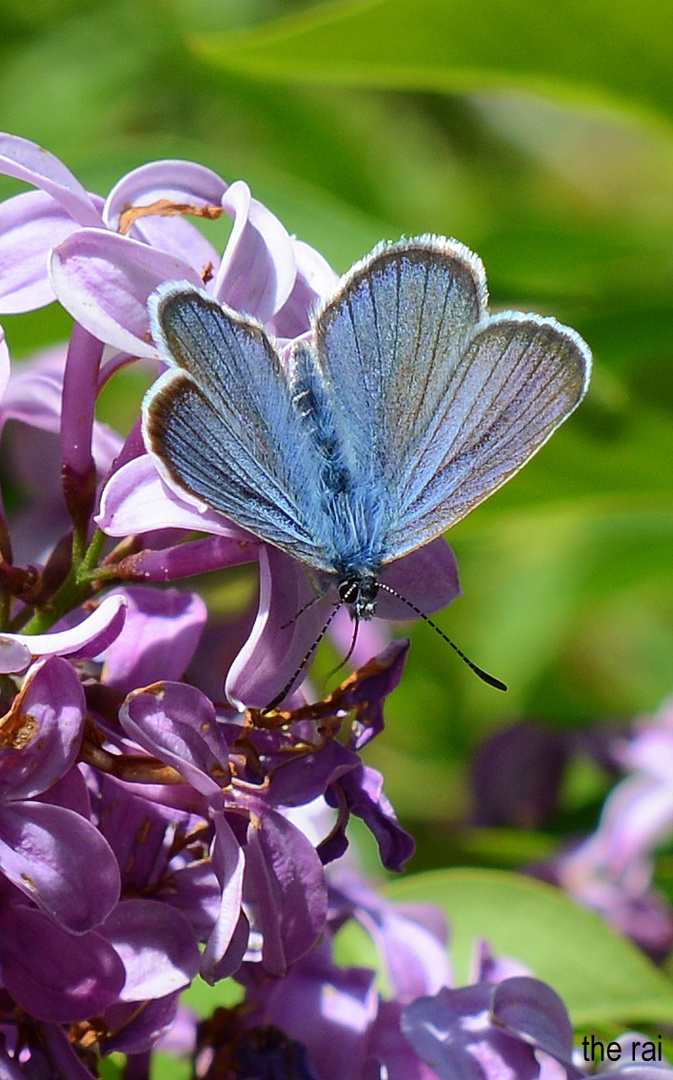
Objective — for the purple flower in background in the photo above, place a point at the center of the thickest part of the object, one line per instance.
(611, 871)
(327, 1022)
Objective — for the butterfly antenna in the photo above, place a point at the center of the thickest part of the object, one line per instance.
(351, 650)
(311, 602)
(300, 667)
(483, 675)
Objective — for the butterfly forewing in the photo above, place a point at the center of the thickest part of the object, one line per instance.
(222, 421)
(520, 377)
(388, 343)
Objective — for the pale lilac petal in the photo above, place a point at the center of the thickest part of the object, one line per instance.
(14, 654)
(135, 1029)
(415, 955)
(34, 391)
(371, 637)
(486, 966)
(228, 864)
(48, 852)
(41, 733)
(452, 1033)
(30, 225)
(174, 180)
(80, 391)
(104, 280)
(137, 500)
(427, 578)
(258, 267)
(88, 638)
(178, 237)
(315, 280)
(34, 396)
(158, 640)
(187, 559)
(5, 365)
(177, 724)
(285, 888)
(178, 182)
(650, 751)
(157, 947)
(637, 815)
(283, 637)
(55, 975)
(25, 160)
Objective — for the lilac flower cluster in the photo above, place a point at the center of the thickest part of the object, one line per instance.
(612, 869)
(150, 830)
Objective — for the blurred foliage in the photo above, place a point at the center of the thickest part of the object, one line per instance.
(543, 139)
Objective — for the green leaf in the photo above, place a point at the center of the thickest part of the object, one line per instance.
(601, 977)
(603, 51)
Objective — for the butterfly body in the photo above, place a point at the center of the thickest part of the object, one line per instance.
(408, 407)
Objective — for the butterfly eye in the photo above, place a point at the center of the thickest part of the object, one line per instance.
(348, 590)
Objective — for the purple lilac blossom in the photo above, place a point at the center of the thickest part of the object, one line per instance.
(326, 1022)
(611, 871)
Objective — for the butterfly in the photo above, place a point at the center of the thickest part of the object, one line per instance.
(405, 407)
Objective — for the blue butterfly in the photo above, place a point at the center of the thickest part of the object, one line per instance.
(408, 407)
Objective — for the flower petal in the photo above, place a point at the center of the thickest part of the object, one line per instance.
(285, 888)
(104, 281)
(287, 629)
(136, 500)
(30, 225)
(87, 639)
(532, 1010)
(177, 724)
(55, 975)
(48, 852)
(174, 180)
(158, 640)
(25, 160)
(315, 279)
(157, 947)
(258, 267)
(40, 735)
(228, 939)
(5, 365)
(362, 789)
(428, 578)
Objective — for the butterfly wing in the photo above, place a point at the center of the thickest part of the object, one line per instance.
(520, 377)
(221, 421)
(447, 402)
(386, 344)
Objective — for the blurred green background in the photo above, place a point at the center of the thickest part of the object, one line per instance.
(541, 137)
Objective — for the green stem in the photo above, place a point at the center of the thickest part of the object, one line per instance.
(76, 588)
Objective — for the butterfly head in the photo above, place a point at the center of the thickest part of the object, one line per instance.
(359, 593)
